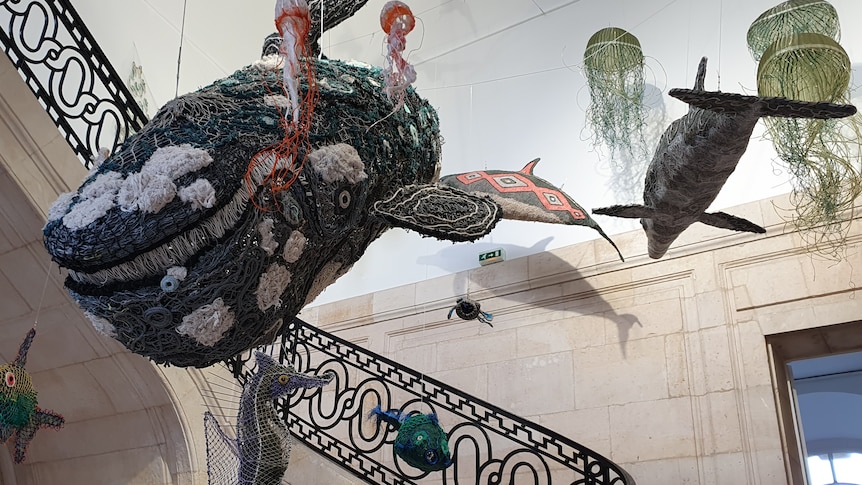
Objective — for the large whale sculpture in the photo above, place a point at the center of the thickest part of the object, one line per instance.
(181, 256)
(696, 155)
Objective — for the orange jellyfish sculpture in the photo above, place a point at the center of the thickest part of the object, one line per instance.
(283, 160)
(397, 21)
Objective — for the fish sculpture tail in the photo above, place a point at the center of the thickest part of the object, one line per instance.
(764, 106)
(393, 416)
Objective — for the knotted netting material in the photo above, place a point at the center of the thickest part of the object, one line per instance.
(260, 453)
(796, 44)
(119, 259)
(614, 67)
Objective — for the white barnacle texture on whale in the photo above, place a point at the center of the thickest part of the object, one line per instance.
(267, 240)
(294, 246)
(338, 163)
(94, 200)
(60, 206)
(146, 192)
(149, 190)
(277, 100)
(200, 194)
(271, 286)
(208, 323)
(178, 272)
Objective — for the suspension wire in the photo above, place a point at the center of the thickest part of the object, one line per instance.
(180, 52)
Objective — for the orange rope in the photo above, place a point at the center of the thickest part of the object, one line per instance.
(284, 156)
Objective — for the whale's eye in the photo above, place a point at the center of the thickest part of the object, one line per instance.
(283, 379)
(10, 379)
(344, 199)
(170, 283)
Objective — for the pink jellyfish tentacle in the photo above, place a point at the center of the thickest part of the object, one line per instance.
(293, 23)
(397, 21)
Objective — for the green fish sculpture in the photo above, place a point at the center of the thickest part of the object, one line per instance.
(421, 441)
(19, 412)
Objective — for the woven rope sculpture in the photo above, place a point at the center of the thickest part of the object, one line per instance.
(260, 453)
(197, 239)
(697, 154)
(791, 18)
(614, 67)
(800, 58)
(19, 413)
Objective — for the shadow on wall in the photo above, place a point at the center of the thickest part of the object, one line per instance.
(580, 298)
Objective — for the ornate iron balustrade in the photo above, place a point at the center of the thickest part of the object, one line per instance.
(489, 445)
(69, 74)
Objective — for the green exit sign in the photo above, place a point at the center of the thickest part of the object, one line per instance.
(494, 256)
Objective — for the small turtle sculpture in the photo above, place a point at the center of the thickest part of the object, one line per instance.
(468, 309)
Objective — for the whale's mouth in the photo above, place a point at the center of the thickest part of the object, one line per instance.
(149, 266)
(176, 252)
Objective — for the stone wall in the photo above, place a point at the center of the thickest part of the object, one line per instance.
(662, 366)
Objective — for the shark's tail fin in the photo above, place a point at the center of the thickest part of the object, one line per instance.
(778, 107)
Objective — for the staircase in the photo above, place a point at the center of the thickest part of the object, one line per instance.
(74, 81)
(489, 445)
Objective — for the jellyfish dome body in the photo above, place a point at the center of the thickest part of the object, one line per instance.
(397, 21)
(614, 64)
(790, 18)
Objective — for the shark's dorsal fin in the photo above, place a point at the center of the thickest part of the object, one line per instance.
(700, 77)
(528, 168)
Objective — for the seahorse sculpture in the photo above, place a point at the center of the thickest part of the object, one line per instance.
(261, 451)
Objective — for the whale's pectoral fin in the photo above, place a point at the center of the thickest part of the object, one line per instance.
(441, 212)
(730, 103)
(727, 221)
(631, 211)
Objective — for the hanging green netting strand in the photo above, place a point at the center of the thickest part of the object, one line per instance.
(789, 18)
(822, 156)
(614, 67)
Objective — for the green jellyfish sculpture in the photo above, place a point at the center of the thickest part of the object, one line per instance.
(614, 66)
(790, 18)
(802, 60)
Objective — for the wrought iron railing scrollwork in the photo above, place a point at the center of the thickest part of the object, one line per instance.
(489, 445)
(69, 74)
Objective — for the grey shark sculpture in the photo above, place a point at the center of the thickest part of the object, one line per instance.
(697, 154)
(185, 254)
